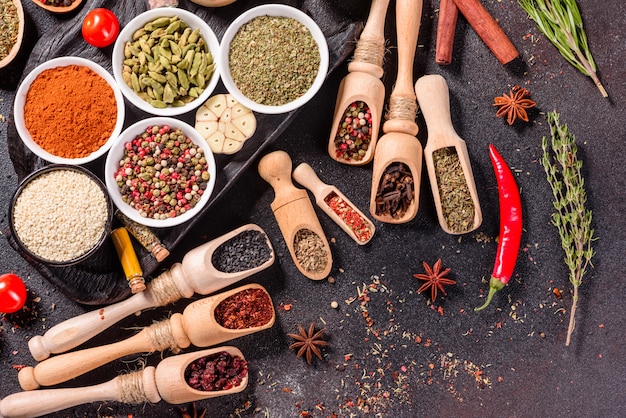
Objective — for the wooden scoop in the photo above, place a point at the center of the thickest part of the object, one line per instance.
(59, 9)
(196, 274)
(196, 325)
(433, 97)
(362, 83)
(166, 381)
(399, 144)
(293, 211)
(360, 229)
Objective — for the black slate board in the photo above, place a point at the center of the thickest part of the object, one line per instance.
(100, 280)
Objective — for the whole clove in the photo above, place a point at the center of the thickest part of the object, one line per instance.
(395, 192)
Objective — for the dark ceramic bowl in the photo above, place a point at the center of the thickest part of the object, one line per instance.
(47, 194)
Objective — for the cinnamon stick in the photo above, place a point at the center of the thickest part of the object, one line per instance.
(488, 30)
(446, 25)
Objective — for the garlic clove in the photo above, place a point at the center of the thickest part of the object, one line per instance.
(246, 123)
(225, 123)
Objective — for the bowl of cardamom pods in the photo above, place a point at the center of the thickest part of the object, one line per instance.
(164, 61)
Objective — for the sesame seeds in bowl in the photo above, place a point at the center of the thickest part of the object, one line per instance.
(60, 215)
(160, 172)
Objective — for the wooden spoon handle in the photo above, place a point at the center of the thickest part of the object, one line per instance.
(75, 331)
(47, 401)
(307, 177)
(408, 19)
(375, 26)
(434, 100)
(67, 366)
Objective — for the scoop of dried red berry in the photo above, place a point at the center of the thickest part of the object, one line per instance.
(219, 371)
(163, 173)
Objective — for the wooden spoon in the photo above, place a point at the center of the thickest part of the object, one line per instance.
(196, 274)
(196, 325)
(59, 9)
(433, 97)
(360, 229)
(399, 144)
(166, 381)
(294, 212)
(20, 35)
(362, 83)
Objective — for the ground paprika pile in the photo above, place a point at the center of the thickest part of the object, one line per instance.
(70, 111)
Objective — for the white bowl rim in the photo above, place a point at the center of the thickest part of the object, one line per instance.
(20, 100)
(113, 159)
(273, 10)
(193, 21)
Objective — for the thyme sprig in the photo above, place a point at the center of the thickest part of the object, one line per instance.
(572, 218)
(560, 21)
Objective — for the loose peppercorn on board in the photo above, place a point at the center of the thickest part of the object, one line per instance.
(100, 279)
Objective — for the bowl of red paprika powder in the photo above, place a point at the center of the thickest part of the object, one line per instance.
(69, 110)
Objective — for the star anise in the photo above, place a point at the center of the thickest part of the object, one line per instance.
(308, 342)
(435, 279)
(514, 104)
(193, 413)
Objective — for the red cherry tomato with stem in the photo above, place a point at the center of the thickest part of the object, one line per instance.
(12, 293)
(100, 27)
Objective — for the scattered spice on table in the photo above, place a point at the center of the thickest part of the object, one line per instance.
(192, 412)
(9, 27)
(219, 371)
(248, 308)
(435, 279)
(310, 251)
(308, 342)
(395, 192)
(273, 60)
(60, 215)
(163, 174)
(354, 133)
(77, 99)
(359, 226)
(244, 251)
(454, 194)
(513, 105)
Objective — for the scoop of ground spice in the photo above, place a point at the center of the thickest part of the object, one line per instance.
(70, 111)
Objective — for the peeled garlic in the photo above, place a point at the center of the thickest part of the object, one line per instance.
(225, 123)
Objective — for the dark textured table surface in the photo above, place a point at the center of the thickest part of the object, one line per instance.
(416, 358)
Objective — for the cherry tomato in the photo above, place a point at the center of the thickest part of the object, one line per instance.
(12, 293)
(100, 27)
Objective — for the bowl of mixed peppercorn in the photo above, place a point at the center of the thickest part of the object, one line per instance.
(160, 172)
(274, 58)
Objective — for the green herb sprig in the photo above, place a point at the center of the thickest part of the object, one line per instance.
(560, 21)
(572, 218)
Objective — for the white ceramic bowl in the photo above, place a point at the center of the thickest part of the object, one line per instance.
(273, 10)
(138, 22)
(116, 154)
(20, 101)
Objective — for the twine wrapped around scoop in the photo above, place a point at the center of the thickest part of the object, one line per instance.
(161, 336)
(371, 51)
(164, 289)
(131, 388)
(402, 108)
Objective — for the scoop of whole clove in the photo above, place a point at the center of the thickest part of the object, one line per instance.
(395, 191)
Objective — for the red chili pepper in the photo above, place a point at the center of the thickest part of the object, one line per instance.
(510, 225)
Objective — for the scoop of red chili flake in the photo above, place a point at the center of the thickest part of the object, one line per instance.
(219, 371)
(246, 309)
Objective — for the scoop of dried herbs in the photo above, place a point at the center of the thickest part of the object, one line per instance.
(572, 218)
(560, 21)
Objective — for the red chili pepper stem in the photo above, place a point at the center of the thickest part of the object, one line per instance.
(510, 225)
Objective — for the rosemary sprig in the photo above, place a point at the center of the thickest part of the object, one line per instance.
(560, 21)
(572, 219)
